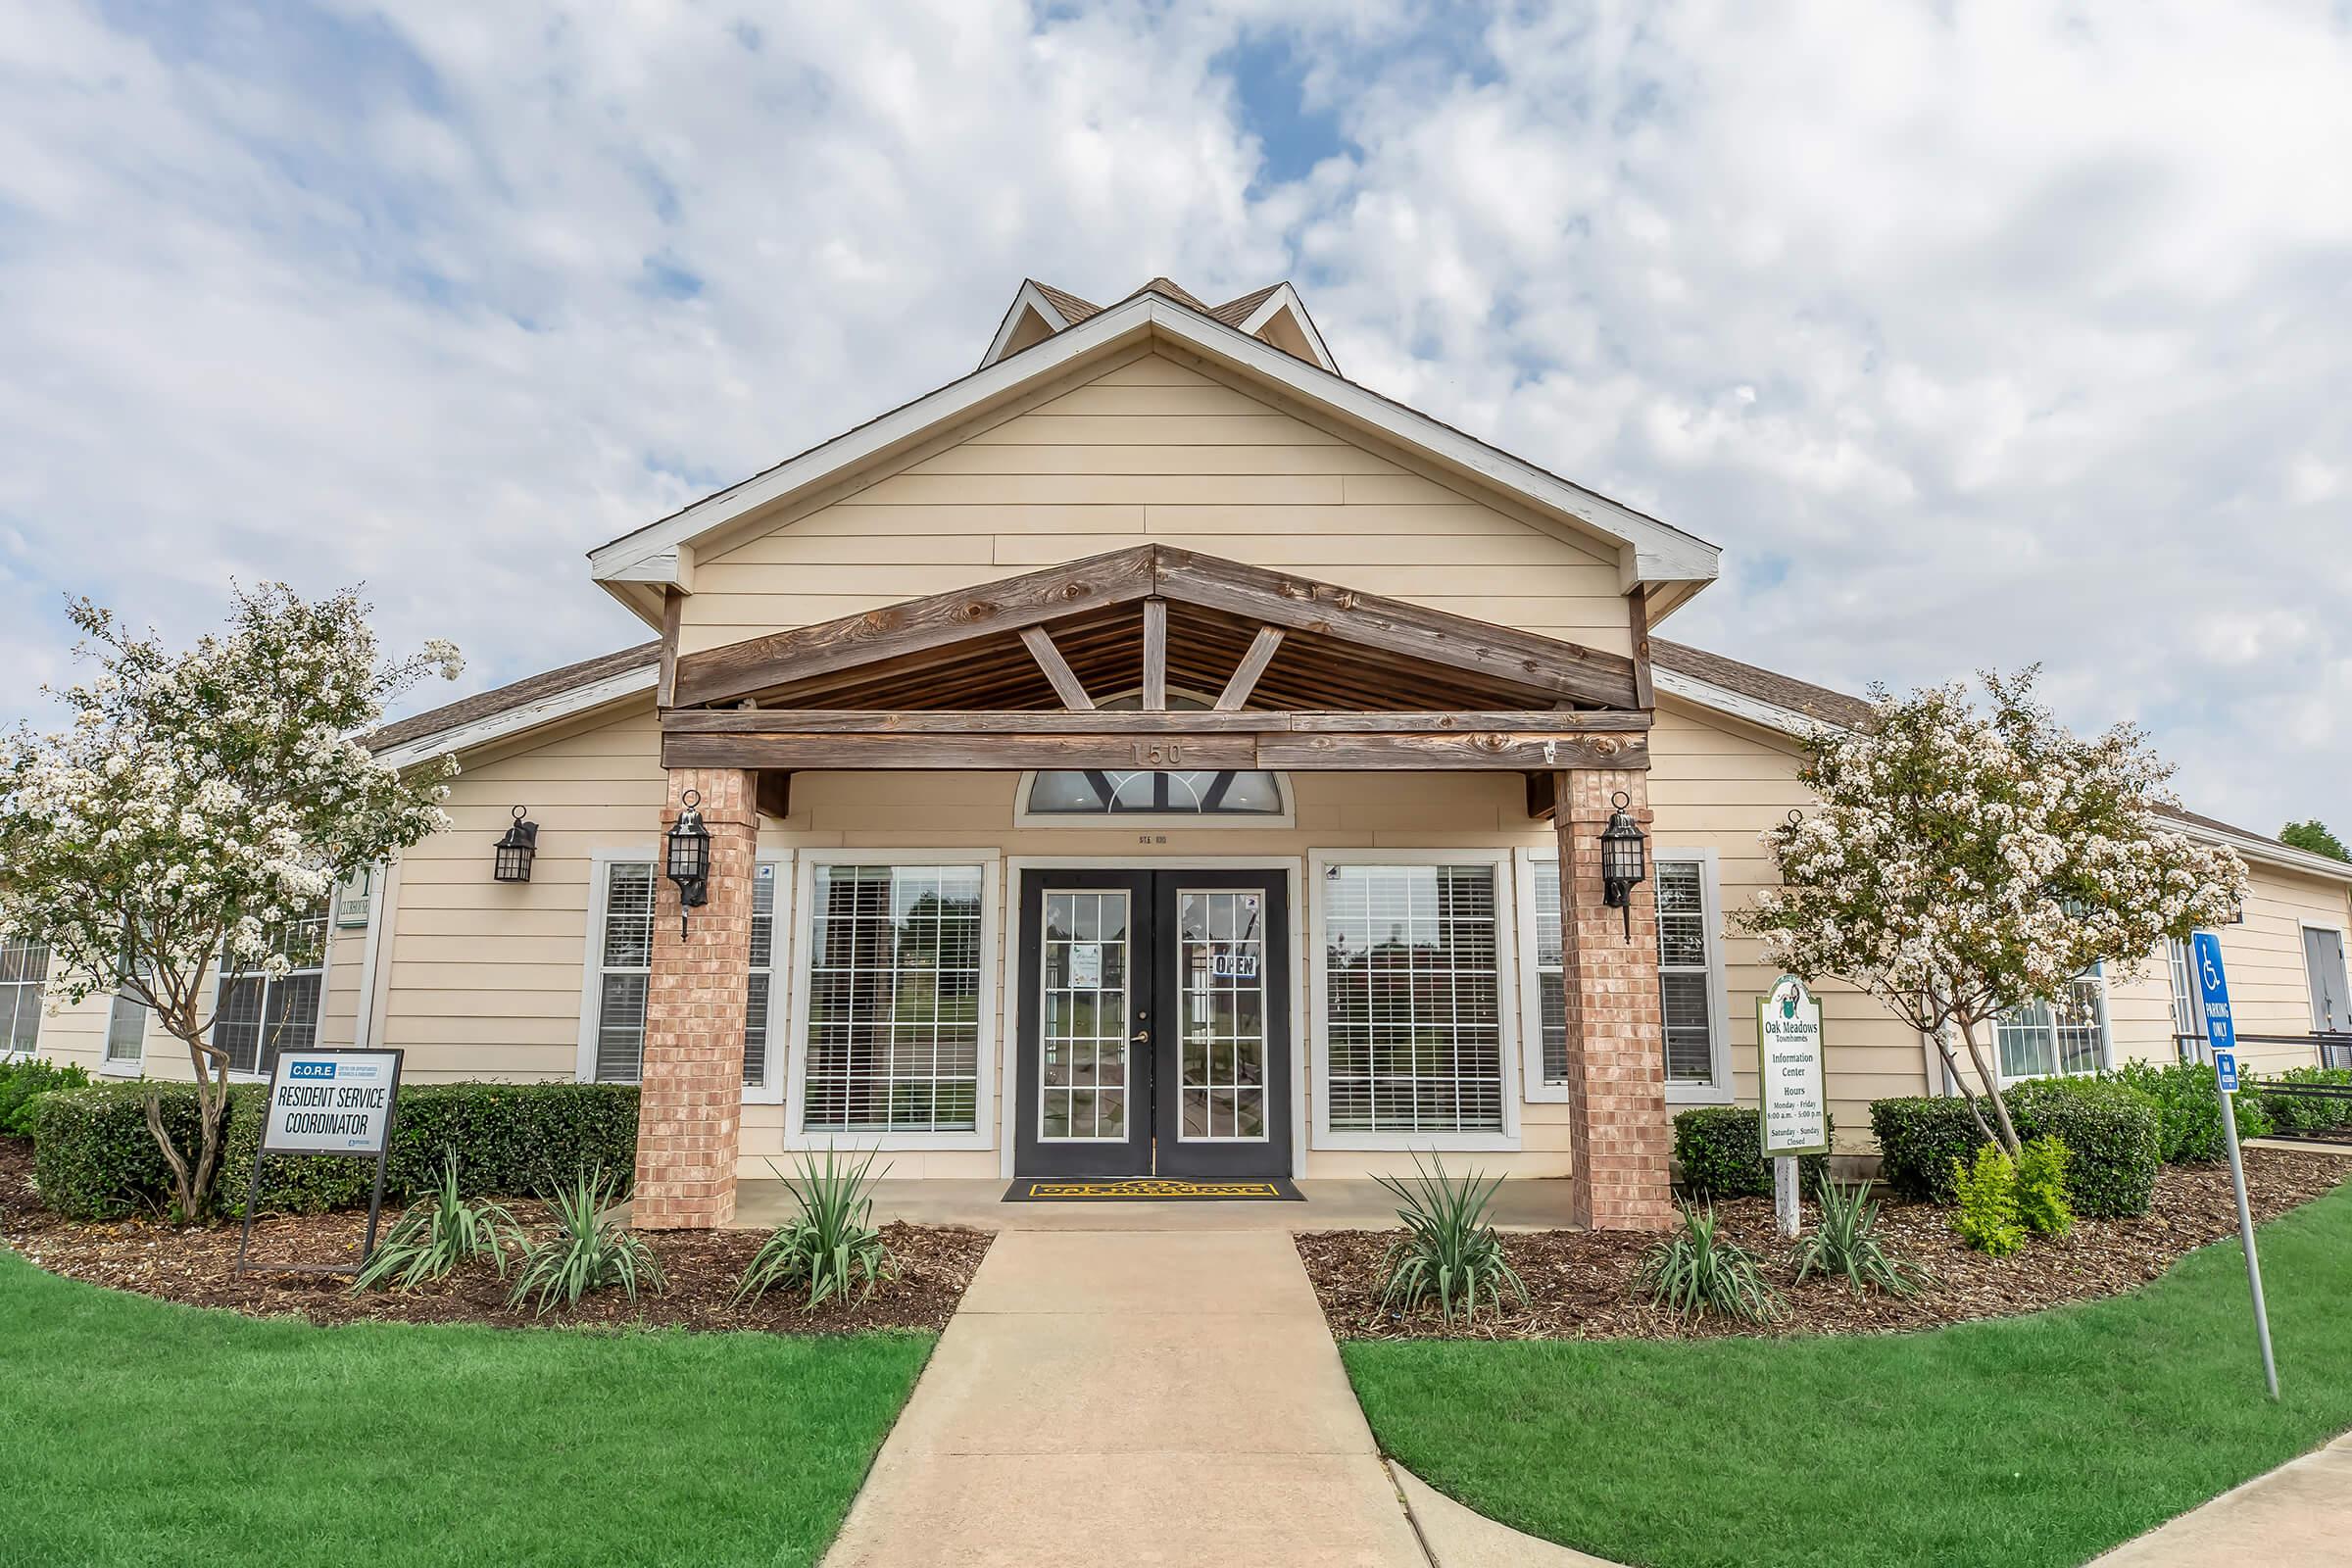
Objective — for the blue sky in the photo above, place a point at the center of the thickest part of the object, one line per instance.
(1976, 335)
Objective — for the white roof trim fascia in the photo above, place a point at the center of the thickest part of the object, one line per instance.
(1029, 297)
(1788, 721)
(1287, 298)
(529, 715)
(1652, 550)
(1707, 694)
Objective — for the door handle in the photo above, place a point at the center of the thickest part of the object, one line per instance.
(1141, 1036)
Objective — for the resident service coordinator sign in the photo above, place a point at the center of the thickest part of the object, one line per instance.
(1794, 1098)
(331, 1101)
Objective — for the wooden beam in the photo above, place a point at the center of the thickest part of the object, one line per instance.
(1637, 605)
(1253, 663)
(1429, 636)
(1155, 655)
(1481, 751)
(718, 674)
(1486, 751)
(1107, 721)
(773, 794)
(1542, 796)
(960, 751)
(673, 605)
(1066, 684)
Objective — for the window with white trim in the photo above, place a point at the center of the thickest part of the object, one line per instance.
(1686, 972)
(1412, 999)
(1689, 972)
(24, 978)
(2065, 1039)
(2188, 1003)
(257, 1016)
(763, 965)
(892, 1029)
(126, 1030)
(624, 948)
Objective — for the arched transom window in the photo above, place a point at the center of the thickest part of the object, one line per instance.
(1092, 792)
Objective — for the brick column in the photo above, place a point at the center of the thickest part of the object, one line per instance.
(690, 1110)
(1619, 1133)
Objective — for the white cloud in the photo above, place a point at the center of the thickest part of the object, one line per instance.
(2011, 336)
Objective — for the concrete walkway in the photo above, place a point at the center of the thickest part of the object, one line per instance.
(1116, 1397)
(2297, 1516)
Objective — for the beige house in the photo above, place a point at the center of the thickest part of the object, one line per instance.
(1151, 753)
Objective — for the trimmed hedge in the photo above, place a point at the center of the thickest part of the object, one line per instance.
(1720, 1151)
(2112, 1133)
(2296, 1115)
(96, 1159)
(25, 1077)
(2187, 1096)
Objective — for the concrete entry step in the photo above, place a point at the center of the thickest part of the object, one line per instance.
(1524, 1203)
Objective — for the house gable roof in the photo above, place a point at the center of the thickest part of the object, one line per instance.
(636, 566)
(1794, 706)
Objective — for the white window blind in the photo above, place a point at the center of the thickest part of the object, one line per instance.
(2040, 1040)
(255, 1016)
(894, 1000)
(624, 970)
(1412, 999)
(24, 976)
(1686, 978)
(1551, 999)
(764, 963)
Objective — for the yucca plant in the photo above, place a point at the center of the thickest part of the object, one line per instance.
(1846, 1244)
(1448, 1250)
(436, 1234)
(589, 1252)
(830, 1246)
(1696, 1271)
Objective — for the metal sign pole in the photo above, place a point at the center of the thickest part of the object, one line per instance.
(1784, 1193)
(2220, 1030)
(2245, 1234)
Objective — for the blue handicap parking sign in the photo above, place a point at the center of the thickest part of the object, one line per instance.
(2225, 1064)
(2213, 984)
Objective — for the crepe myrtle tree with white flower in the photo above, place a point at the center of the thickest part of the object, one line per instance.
(197, 802)
(1969, 858)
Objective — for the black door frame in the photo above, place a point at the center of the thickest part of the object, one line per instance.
(1152, 1145)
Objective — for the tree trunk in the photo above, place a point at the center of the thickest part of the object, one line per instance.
(1951, 1066)
(1992, 1090)
(193, 1180)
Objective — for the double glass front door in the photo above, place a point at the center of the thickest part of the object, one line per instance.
(1155, 1033)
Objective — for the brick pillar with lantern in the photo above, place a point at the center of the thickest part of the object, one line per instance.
(690, 1107)
(1620, 1137)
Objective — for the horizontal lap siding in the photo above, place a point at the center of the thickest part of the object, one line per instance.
(2270, 984)
(485, 977)
(1717, 784)
(1156, 452)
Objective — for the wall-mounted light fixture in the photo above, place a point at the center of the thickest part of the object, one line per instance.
(511, 861)
(690, 857)
(1623, 863)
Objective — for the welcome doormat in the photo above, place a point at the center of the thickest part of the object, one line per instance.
(1149, 1189)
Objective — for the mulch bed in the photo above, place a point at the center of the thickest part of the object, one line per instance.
(1580, 1283)
(193, 1265)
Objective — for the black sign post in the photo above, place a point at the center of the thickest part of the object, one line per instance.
(338, 1101)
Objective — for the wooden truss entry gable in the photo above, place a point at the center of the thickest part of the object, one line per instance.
(1297, 673)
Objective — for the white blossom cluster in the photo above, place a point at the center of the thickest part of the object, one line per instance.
(1966, 859)
(198, 800)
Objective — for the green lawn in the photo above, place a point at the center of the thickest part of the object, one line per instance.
(139, 1432)
(2040, 1441)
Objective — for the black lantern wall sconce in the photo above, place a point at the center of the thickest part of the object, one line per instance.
(1623, 863)
(511, 861)
(690, 857)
